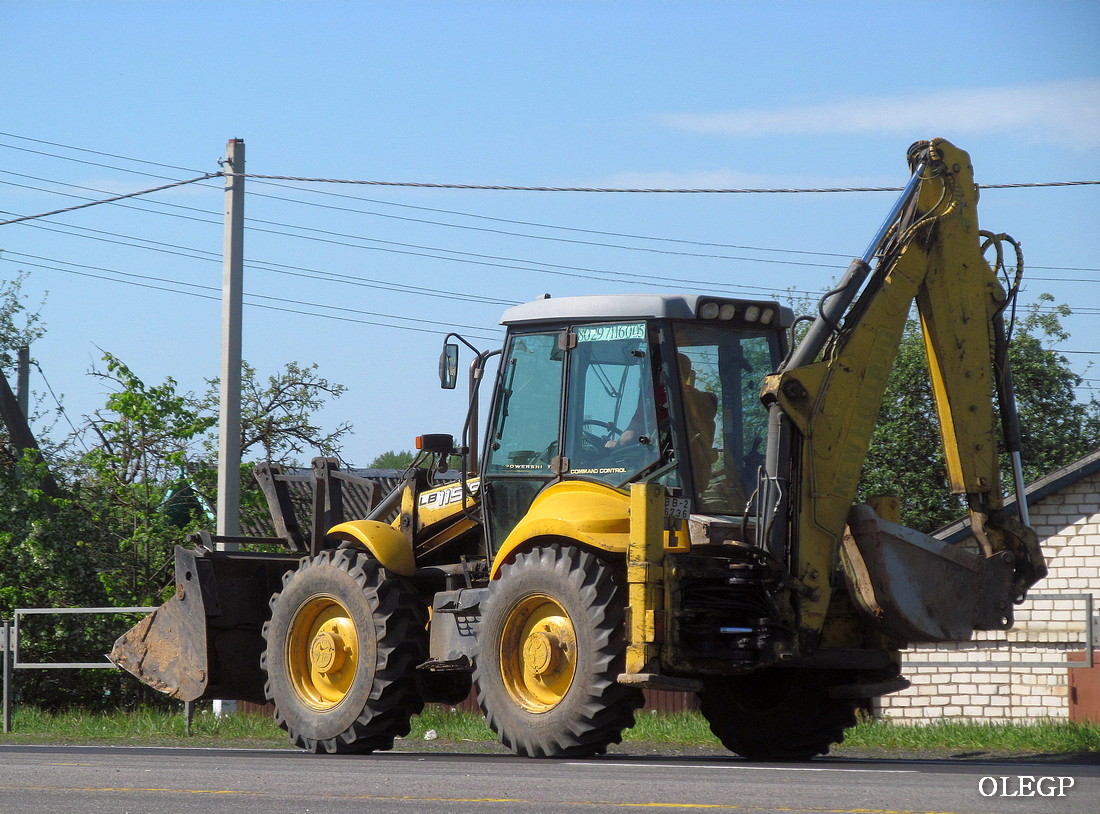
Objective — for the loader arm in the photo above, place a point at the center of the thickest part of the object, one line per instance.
(824, 404)
(206, 641)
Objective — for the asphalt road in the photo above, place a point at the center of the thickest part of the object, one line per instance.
(83, 780)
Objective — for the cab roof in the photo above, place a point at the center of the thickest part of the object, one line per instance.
(639, 306)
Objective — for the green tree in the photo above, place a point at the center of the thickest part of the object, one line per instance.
(143, 440)
(393, 459)
(278, 415)
(19, 326)
(906, 456)
(278, 424)
(49, 557)
(1058, 428)
(107, 538)
(50, 552)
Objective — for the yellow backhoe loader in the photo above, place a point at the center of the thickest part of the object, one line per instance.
(663, 497)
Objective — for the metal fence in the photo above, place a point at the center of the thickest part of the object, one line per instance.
(10, 640)
(1059, 623)
(1039, 624)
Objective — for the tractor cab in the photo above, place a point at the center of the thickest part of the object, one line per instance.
(625, 389)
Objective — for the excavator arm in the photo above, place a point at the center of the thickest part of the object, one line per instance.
(824, 401)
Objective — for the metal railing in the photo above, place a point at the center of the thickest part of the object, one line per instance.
(1003, 643)
(9, 644)
(989, 642)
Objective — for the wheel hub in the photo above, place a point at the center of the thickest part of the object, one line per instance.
(322, 652)
(538, 653)
(543, 652)
(327, 652)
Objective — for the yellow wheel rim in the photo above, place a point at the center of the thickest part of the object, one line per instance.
(538, 653)
(322, 652)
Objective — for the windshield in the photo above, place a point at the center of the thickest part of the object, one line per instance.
(610, 431)
(525, 436)
(721, 370)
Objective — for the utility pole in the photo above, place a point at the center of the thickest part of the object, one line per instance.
(13, 415)
(229, 410)
(23, 379)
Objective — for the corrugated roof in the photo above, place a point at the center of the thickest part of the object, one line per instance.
(1056, 481)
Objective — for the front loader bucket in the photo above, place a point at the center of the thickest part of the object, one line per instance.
(167, 649)
(921, 589)
(206, 641)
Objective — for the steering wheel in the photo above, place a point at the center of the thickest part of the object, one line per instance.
(593, 439)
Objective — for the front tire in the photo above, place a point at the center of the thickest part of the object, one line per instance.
(344, 639)
(777, 714)
(551, 645)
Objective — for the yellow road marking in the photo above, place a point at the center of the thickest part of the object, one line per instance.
(509, 800)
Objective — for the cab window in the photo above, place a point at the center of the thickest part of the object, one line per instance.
(721, 372)
(525, 435)
(611, 423)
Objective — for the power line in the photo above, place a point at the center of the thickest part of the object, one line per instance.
(88, 163)
(276, 268)
(97, 152)
(557, 227)
(520, 188)
(479, 258)
(23, 218)
(104, 192)
(459, 226)
(467, 228)
(442, 211)
(573, 241)
(295, 271)
(504, 232)
(1064, 268)
(1064, 279)
(60, 407)
(581, 272)
(494, 219)
(510, 188)
(471, 258)
(142, 281)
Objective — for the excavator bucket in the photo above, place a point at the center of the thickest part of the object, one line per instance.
(921, 589)
(206, 641)
(167, 649)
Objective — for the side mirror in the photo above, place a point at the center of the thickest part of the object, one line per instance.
(448, 367)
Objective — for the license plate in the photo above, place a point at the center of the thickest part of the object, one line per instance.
(678, 507)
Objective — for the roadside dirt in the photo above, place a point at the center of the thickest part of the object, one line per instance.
(640, 749)
(651, 750)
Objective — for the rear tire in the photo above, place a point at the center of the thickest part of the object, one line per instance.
(551, 645)
(778, 714)
(344, 639)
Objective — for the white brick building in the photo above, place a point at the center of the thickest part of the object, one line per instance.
(1025, 673)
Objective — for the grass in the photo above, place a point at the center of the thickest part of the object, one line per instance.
(1045, 736)
(681, 728)
(686, 729)
(141, 727)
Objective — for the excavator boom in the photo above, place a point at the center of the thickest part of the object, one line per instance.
(824, 403)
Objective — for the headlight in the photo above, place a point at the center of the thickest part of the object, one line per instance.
(709, 310)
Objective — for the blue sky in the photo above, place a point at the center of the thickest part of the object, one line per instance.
(101, 98)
